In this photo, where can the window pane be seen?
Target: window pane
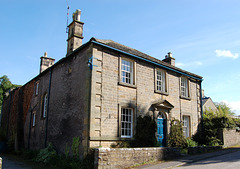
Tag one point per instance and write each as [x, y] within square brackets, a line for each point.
[126, 122]
[160, 81]
[127, 72]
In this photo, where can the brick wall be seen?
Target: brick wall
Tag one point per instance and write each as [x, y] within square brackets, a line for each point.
[126, 157]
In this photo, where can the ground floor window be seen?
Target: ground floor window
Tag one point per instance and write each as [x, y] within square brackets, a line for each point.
[126, 122]
[186, 126]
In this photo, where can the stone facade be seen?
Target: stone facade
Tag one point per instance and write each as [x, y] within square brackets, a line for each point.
[83, 95]
[109, 95]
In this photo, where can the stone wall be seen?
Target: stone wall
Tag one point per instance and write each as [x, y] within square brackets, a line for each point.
[203, 149]
[229, 137]
[126, 157]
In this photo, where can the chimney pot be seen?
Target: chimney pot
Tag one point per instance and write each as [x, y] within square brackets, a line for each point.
[170, 55]
[76, 15]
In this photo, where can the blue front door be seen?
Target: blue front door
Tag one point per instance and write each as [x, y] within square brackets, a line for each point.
[161, 138]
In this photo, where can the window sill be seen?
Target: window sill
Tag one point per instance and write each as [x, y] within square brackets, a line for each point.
[186, 98]
[159, 92]
[127, 85]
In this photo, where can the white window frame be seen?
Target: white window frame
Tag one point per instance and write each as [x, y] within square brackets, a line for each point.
[126, 122]
[184, 87]
[186, 126]
[45, 102]
[127, 73]
[161, 81]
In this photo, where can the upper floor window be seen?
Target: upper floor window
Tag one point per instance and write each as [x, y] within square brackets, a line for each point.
[37, 88]
[160, 80]
[127, 71]
[45, 102]
[184, 87]
[126, 122]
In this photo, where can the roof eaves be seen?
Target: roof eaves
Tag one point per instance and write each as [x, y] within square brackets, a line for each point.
[93, 40]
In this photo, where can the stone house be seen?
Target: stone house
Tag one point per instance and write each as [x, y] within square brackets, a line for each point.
[96, 93]
[207, 103]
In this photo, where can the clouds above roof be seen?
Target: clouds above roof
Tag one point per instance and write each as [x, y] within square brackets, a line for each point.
[194, 63]
[226, 53]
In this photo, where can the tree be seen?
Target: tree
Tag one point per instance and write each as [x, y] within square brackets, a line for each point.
[5, 86]
[213, 121]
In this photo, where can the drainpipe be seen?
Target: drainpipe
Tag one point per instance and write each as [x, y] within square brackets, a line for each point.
[49, 89]
[201, 105]
[29, 130]
[9, 111]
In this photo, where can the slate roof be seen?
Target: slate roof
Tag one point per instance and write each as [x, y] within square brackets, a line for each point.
[204, 100]
[132, 51]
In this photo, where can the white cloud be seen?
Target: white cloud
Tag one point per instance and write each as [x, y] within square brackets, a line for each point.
[180, 64]
[235, 106]
[226, 53]
[196, 63]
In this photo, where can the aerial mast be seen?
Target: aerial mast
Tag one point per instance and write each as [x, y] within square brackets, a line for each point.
[67, 16]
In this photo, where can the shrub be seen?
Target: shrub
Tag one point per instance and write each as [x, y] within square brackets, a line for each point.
[75, 147]
[47, 155]
[191, 143]
[145, 133]
[176, 137]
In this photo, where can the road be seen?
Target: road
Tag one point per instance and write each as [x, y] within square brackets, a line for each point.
[8, 163]
[227, 161]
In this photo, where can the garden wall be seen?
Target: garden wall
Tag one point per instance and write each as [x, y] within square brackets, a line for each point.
[229, 137]
[126, 157]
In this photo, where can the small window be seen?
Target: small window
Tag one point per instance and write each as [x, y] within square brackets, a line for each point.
[45, 101]
[161, 81]
[126, 122]
[184, 87]
[34, 120]
[37, 88]
[127, 71]
[186, 124]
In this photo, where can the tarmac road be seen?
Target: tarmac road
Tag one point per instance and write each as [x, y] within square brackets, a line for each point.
[227, 161]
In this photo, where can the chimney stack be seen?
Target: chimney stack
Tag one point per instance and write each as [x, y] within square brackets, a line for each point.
[169, 59]
[75, 32]
[46, 62]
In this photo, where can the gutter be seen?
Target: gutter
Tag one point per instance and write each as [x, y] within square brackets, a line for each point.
[149, 61]
[49, 89]
[9, 111]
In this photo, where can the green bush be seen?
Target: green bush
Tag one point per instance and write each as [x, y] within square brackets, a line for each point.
[47, 155]
[145, 133]
[176, 137]
[75, 147]
[191, 143]
[211, 123]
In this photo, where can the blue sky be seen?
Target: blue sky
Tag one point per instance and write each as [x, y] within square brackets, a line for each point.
[204, 36]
